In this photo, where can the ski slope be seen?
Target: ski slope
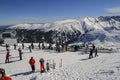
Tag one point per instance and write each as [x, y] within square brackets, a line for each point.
[75, 65]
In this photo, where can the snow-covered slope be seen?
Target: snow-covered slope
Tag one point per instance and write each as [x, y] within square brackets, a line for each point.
[26, 26]
[102, 28]
[71, 25]
[101, 36]
[75, 65]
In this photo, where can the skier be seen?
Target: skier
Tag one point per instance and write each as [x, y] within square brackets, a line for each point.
[63, 47]
[32, 45]
[96, 52]
[7, 57]
[76, 47]
[66, 47]
[43, 46]
[20, 53]
[42, 69]
[3, 76]
[22, 45]
[7, 47]
[39, 45]
[47, 66]
[15, 46]
[93, 47]
[32, 64]
[30, 48]
[91, 54]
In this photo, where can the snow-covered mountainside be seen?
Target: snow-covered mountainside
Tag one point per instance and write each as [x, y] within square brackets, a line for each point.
[103, 28]
[82, 25]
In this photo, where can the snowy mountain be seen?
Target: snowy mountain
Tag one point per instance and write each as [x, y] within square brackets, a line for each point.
[69, 65]
[104, 26]
[87, 23]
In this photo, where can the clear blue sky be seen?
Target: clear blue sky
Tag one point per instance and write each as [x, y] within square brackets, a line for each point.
[40, 11]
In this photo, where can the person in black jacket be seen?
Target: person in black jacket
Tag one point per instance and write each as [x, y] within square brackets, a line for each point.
[93, 47]
[47, 66]
[91, 54]
[15, 46]
[20, 53]
[22, 45]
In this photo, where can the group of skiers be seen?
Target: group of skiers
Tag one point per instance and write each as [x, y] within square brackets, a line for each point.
[42, 61]
[42, 67]
[8, 55]
[42, 46]
[15, 45]
[19, 50]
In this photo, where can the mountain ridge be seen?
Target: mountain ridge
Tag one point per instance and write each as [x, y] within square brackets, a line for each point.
[88, 23]
[94, 27]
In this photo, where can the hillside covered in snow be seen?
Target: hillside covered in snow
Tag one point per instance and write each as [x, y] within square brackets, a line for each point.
[103, 28]
[82, 24]
[75, 65]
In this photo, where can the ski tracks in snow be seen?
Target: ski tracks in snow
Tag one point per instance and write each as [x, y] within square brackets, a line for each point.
[104, 67]
[83, 70]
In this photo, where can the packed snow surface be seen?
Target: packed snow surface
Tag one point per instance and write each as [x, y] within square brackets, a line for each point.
[75, 65]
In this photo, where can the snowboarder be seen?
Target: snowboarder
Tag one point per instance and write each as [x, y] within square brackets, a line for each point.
[7, 57]
[20, 53]
[96, 52]
[42, 69]
[91, 54]
[3, 76]
[47, 66]
[32, 64]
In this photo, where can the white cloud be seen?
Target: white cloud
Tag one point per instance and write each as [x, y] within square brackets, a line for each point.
[114, 10]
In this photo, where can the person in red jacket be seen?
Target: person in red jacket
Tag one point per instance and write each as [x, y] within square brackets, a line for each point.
[42, 69]
[7, 57]
[32, 64]
[2, 75]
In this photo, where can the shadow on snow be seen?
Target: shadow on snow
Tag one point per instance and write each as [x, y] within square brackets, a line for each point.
[23, 73]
